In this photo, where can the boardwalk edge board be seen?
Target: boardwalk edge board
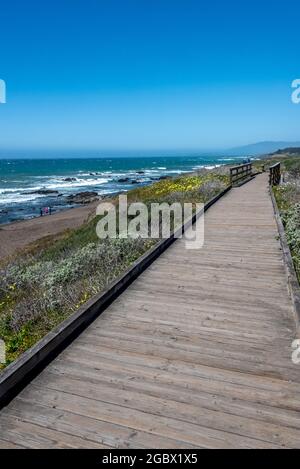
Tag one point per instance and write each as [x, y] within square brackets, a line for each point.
[292, 280]
[245, 181]
[15, 377]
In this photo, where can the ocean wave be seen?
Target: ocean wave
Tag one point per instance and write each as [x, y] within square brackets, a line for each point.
[19, 198]
[94, 173]
[20, 189]
[22, 194]
[152, 171]
[212, 166]
[26, 194]
[76, 183]
[229, 159]
[179, 171]
[203, 166]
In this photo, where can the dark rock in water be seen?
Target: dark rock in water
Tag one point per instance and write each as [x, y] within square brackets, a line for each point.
[154, 178]
[163, 177]
[42, 192]
[123, 180]
[140, 172]
[83, 197]
[69, 179]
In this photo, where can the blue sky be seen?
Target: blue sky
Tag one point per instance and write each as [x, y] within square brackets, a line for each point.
[148, 74]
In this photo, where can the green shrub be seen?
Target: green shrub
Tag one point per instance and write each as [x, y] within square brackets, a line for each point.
[292, 165]
[291, 221]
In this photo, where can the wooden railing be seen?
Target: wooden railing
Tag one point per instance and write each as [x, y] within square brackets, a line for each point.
[240, 172]
[275, 175]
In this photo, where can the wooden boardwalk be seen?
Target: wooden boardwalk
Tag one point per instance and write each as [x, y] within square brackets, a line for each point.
[195, 353]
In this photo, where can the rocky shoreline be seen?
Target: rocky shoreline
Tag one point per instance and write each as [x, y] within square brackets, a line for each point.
[85, 197]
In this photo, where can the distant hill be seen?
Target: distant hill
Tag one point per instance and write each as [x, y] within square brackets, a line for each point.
[261, 148]
[290, 151]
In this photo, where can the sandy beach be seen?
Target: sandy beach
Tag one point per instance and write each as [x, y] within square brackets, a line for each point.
[18, 235]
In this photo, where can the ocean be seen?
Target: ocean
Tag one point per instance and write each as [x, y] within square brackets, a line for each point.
[27, 185]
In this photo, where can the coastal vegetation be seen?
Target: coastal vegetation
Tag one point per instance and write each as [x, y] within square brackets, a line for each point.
[288, 200]
[48, 281]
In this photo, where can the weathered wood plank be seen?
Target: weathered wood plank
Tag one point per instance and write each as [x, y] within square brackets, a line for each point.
[195, 353]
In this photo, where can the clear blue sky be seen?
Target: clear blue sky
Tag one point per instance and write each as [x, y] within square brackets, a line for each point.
[148, 73]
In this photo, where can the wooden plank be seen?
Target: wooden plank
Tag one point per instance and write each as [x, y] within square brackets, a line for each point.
[170, 427]
[9, 445]
[171, 408]
[195, 353]
[29, 435]
[95, 433]
[236, 400]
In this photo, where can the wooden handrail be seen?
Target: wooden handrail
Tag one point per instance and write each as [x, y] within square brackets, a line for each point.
[275, 174]
[242, 171]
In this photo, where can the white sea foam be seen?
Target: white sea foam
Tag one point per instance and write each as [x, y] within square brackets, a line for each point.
[179, 171]
[202, 166]
[95, 173]
[20, 189]
[19, 195]
[19, 198]
[77, 183]
[212, 166]
[105, 182]
[229, 159]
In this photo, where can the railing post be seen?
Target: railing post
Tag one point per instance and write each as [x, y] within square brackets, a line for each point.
[275, 175]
